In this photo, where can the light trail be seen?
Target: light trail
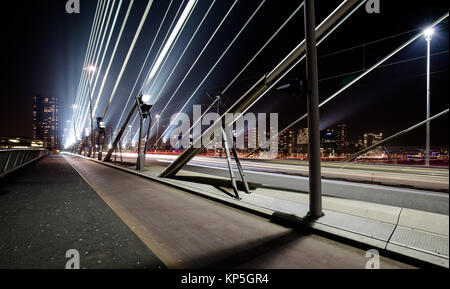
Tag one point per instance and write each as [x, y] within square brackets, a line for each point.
[84, 63]
[214, 66]
[85, 96]
[181, 21]
[91, 55]
[182, 54]
[97, 48]
[148, 74]
[76, 102]
[247, 65]
[87, 54]
[154, 78]
[107, 46]
[198, 57]
[176, 65]
[184, 51]
[143, 66]
[274, 77]
[401, 47]
[124, 22]
[127, 58]
[151, 67]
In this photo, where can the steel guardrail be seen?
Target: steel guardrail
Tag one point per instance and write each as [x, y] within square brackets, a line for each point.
[12, 160]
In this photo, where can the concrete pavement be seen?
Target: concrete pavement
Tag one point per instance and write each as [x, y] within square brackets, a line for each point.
[47, 208]
[416, 234]
[187, 231]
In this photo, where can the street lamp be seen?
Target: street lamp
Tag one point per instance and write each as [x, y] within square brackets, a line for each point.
[158, 117]
[428, 33]
[74, 108]
[91, 70]
[144, 106]
[101, 136]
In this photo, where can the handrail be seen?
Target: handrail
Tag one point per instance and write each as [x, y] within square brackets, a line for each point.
[14, 159]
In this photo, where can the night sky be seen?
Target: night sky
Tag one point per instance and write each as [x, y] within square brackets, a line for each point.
[45, 48]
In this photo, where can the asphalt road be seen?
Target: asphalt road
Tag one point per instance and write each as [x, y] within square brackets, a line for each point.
[47, 208]
[269, 175]
[187, 231]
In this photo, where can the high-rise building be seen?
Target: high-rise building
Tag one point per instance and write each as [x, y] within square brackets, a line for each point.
[342, 136]
[302, 140]
[302, 136]
[45, 120]
[372, 138]
[328, 140]
[250, 139]
[286, 142]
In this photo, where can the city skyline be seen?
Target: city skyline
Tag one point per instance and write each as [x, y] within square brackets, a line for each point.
[358, 107]
[225, 143]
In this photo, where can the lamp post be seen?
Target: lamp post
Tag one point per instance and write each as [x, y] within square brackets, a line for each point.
[158, 117]
[428, 33]
[101, 136]
[74, 107]
[144, 107]
[315, 182]
[91, 69]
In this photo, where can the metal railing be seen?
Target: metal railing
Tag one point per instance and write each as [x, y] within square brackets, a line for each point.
[12, 160]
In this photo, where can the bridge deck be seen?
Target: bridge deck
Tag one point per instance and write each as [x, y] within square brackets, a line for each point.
[187, 231]
[47, 208]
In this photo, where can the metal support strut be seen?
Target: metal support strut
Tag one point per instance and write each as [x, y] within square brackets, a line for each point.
[230, 166]
[119, 135]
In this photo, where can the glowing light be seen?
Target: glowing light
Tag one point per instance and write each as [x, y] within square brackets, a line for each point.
[428, 33]
[174, 33]
[91, 68]
[146, 98]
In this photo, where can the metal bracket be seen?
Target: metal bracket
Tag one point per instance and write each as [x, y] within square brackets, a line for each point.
[230, 166]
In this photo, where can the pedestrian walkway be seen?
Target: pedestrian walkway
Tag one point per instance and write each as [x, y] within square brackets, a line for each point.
[188, 231]
[415, 234]
[47, 209]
